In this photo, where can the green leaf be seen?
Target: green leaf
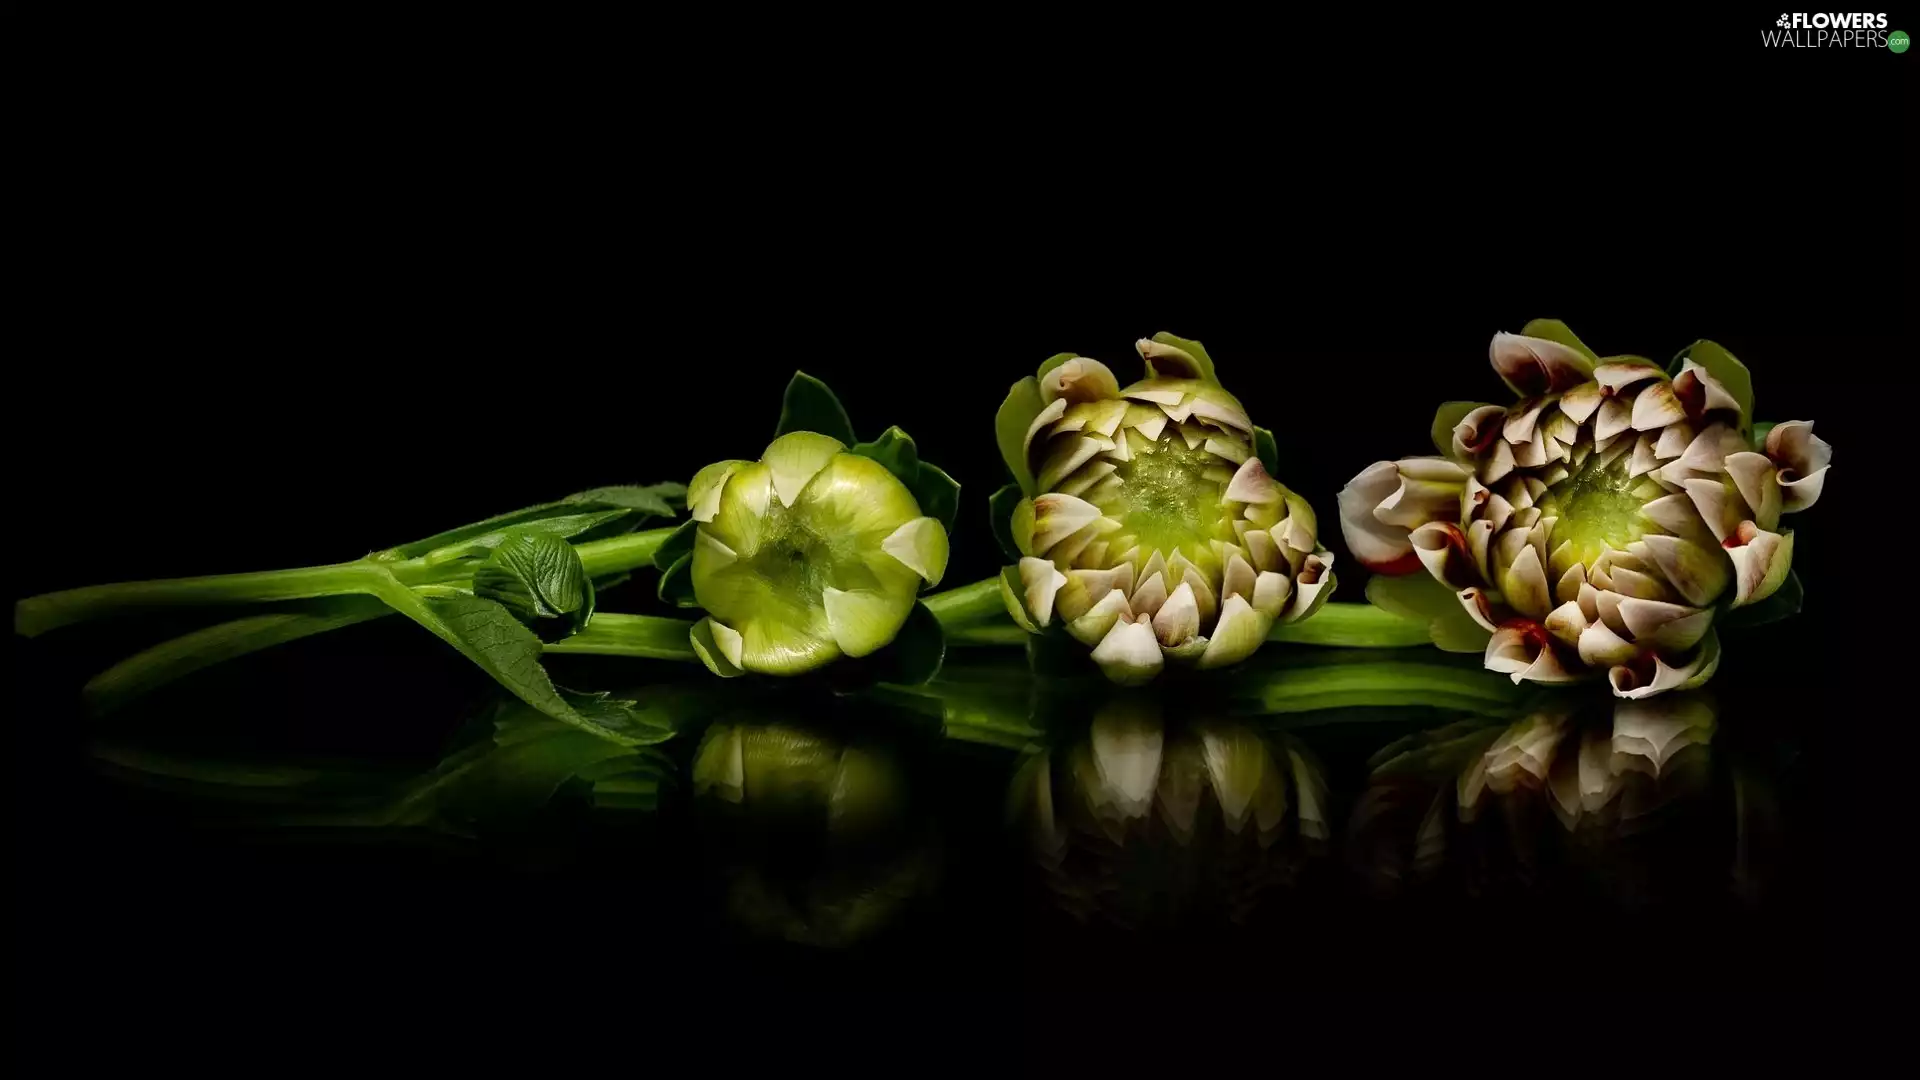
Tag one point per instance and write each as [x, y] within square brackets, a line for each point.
[937, 493]
[1726, 370]
[1266, 450]
[811, 406]
[538, 577]
[1760, 430]
[1555, 330]
[895, 450]
[676, 583]
[487, 633]
[468, 544]
[1000, 512]
[659, 500]
[677, 547]
[1445, 419]
[1784, 604]
[1194, 349]
[1010, 426]
[1418, 596]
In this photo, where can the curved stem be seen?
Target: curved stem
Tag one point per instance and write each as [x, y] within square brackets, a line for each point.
[1303, 689]
[647, 637]
[50, 611]
[968, 603]
[1361, 626]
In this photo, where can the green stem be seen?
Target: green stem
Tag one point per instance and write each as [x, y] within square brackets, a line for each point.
[146, 671]
[968, 603]
[1361, 626]
[618, 554]
[39, 614]
[647, 637]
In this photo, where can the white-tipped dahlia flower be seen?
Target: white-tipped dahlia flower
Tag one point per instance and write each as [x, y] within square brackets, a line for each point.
[1599, 523]
[1146, 520]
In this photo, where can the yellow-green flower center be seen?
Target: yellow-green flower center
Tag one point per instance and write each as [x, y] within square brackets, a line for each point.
[1598, 509]
[1165, 499]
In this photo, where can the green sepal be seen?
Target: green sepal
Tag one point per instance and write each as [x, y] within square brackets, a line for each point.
[676, 583]
[1784, 604]
[1726, 370]
[810, 406]
[677, 547]
[1266, 450]
[1445, 419]
[1418, 596]
[912, 658]
[937, 493]
[1555, 330]
[1000, 512]
[708, 650]
[1759, 437]
[1010, 426]
[1193, 349]
[895, 450]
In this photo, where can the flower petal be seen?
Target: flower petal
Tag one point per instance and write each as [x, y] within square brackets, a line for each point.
[1600, 647]
[1380, 547]
[1129, 655]
[1079, 379]
[1695, 672]
[922, 545]
[703, 491]
[1270, 591]
[717, 646]
[1251, 484]
[1582, 401]
[1760, 565]
[1656, 406]
[863, 621]
[1178, 620]
[1525, 585]
[796, 458]
[1532, 365]
[1057, 516]
[1040, 581]
[1755, 477]
[1698, 574]
[1237, 635]
[1094, 624]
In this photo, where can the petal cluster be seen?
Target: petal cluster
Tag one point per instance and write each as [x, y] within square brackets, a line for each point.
[1152, 531]
[1599, 522]
[808, 554]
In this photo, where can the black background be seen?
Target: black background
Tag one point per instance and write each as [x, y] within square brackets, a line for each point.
[277, 322]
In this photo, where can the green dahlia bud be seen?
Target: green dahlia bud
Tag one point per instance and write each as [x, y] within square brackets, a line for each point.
[1598, 523]
[1151, 529]
[778, 768]
[810, 553]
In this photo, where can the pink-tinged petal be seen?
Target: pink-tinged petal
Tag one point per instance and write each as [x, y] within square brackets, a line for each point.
[1478, 608]
[1270, 592]
[1178, 620]
[1616, 416]
[1238, 579]
[1761, 561]
[1799, 492]
[1547, 668]
[1794, 447]
[1221, 410]
[1092, 626]
[1699, 574]
[1522, 420]
[1041, 581]
[1079, 379]
[1497, 511]
[1508, 652]
[1753, 474]
[1674, 440]
[1617, 376]
[1719, 508]
[1084, 588]
[1656, 621]
[1380, 547]
[1702, 392]
[1567, 623]
[1677, 515]
[1477, 430]
[1656, 407]
[1525, 585]
[1531, 365]
[1628, 683]
[1582, 401]
[1129, 655]
[1442, 549]
[1251, 484]
[1312, 581]
[1056, 517]
[1600, 647]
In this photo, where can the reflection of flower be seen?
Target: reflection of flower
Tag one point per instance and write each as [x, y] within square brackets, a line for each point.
[1135, 812]
[1151, 528]
[818, 854]
[1604, 776]
[1597, 523]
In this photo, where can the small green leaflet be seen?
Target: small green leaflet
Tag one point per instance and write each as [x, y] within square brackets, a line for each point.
[538, 577]
[936, 492]
[657, 500]
[810, 406]
[565, 517]
[1010, 428]
[1000, 514]
[1418, 596]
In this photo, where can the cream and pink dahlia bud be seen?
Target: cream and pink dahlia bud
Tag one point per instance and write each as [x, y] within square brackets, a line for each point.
[1148, 526]
[1598, 523]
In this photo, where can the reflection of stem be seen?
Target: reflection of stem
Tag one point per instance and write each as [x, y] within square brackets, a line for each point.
[1385, 682]
[1360, 626]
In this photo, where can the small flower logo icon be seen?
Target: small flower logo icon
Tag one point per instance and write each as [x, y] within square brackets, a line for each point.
[1782, 21]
